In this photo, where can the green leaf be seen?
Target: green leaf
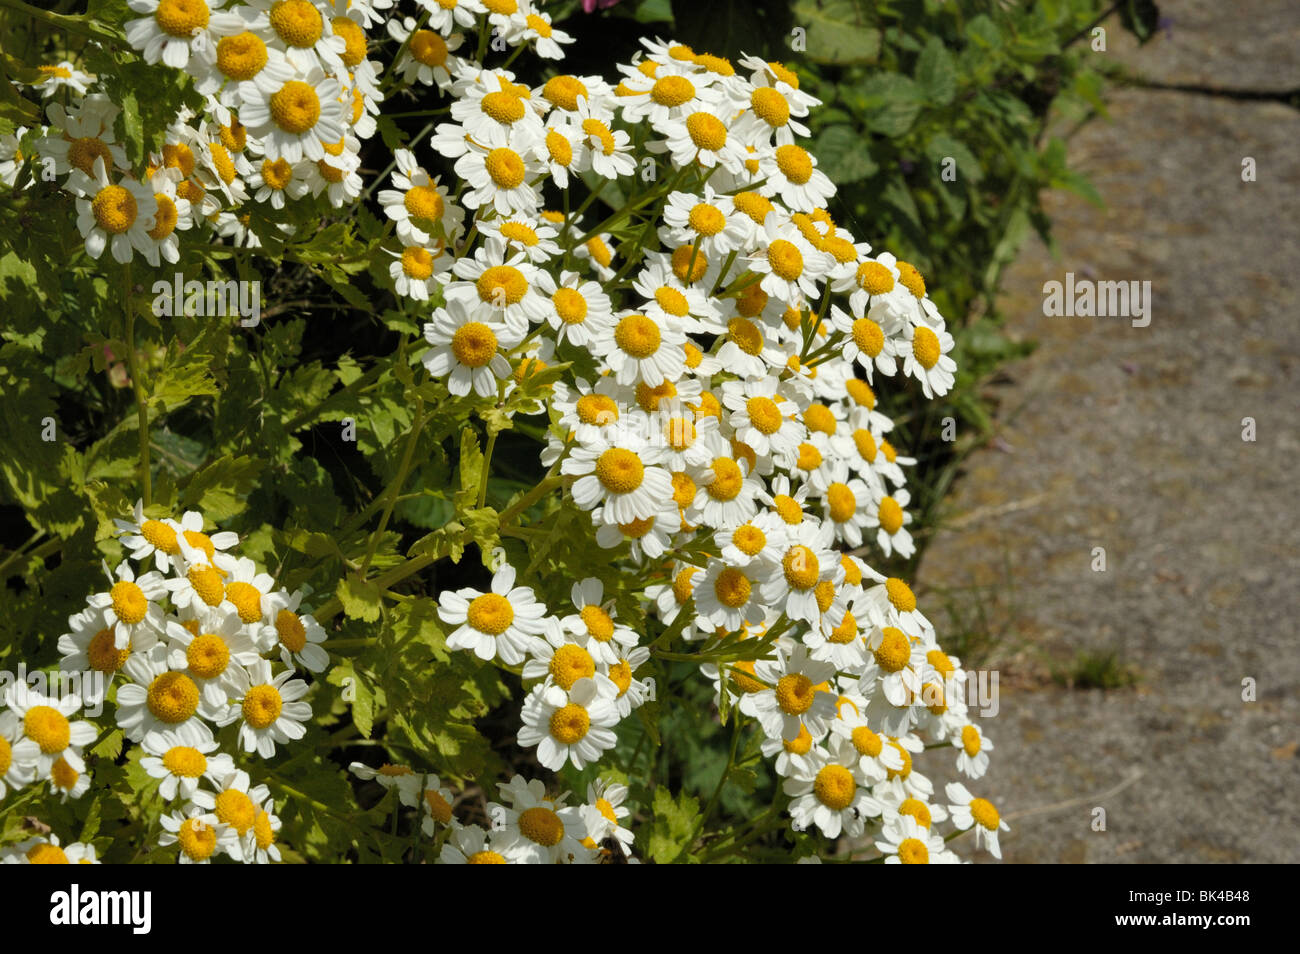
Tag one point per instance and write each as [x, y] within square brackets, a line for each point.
[470, 469]
[936, 72]
[890, 102]
[842, 154]
[838, 32]
[219, 491]
[360, 598]
[674, 824]
[943, 146]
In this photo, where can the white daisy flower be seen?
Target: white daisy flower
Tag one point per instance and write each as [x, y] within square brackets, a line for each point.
[799, 694]
[969, 811]
[791, 172]
[182, 762]
[300, 29]
[593, 624]
[471, 845]
[160, 699]
[117, 216]
[972, 759]
[13, 774]
[62, 75]
[807, 561]
[436, 806]
[907, 842]
[727, 598]
[273, 179]
[269, 710]
[48, 851]
[467, 349]
[131, 604]
[498, 175]
[48, 732]
[173, 30]
[401, 778]
[298, 118]
[577, 309]
[575, 726]
[828, 794]
[887, 517]
[235, 807]
[649, 538]
[604, 814]
[503, 622]
[926, 358]
[537, 829]
[296, 634]
[621, 470]
[87, 136]
[197, 832]
[211, 651]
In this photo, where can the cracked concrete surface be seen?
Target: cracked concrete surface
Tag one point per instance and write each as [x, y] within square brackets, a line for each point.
[1131, 439]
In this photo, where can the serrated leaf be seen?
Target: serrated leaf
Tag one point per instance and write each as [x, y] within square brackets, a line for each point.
[839, 33]
[842, 154]
[360, 598]
[936, 72]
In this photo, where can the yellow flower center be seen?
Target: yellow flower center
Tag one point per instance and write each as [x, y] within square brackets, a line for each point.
[129, 602]
[569, 664]
[874, 278]
[485, 858]
[900, 595]
[173, 697]
[558, 148]
[208, 655]
[197, 839]
[890, 515]
[911, 279]
[263, 833]
[926, 348]
[810, 458]
[865, 443]
[727, 479]
[683, 256]
[598, 409]
[438, 807]
[114, 208]
[621, 675]
[912, 851]
[818, 417]
[241, 57]
[569, 723]
[715, 64]
[795, 163]
[491, 613]
[672, 91]
[843, 504]
[970, 740]
[707, 219]
[563, 91]
[503, 7]
[985, 814]
[637, 528]
[185, 761]
[940, 662]
[866, 741]
[894, 650]
[83, 152]
[502, 283]
[834, 787]
[235, 809]
[428, 48]
[503, 107]
[355, 38]
[297, 22]
[770, 106]
[600, 252]
[206, 581]
[841, 249]
[764, 414]
[165, 220]
[520, 233]
[748, 539]
[103, 655]
[795, 693]
[649, 398]
[417, 263]
[262, 705]
[474, 344]
[637, 335]
[682, 585]
[6, 756]
[801, 567]
[505, 168]
[788, 509]
[846, 632]
[292, 632]
[600, 132]
[801, 744]
[706, 131]
[732, 588]
[295, 107]
[247, 600]
[599, 624]
[47, 854]
[754, 205]
[742, 674]
[181, 17]
[540, 825]
[746, 335]
[570, 306]
[48, 728]
[887, 449]
[786, 260]
[159, 534]
[868, 336]
[620, 470]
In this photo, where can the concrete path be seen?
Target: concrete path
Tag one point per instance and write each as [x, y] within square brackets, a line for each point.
[1131, 439]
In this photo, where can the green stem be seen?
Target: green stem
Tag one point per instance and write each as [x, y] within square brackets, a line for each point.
[137, 386]
[396, 487]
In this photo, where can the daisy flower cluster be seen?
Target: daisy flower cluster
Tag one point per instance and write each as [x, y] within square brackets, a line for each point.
[185, 639]
[527, 826]
[716, 419]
